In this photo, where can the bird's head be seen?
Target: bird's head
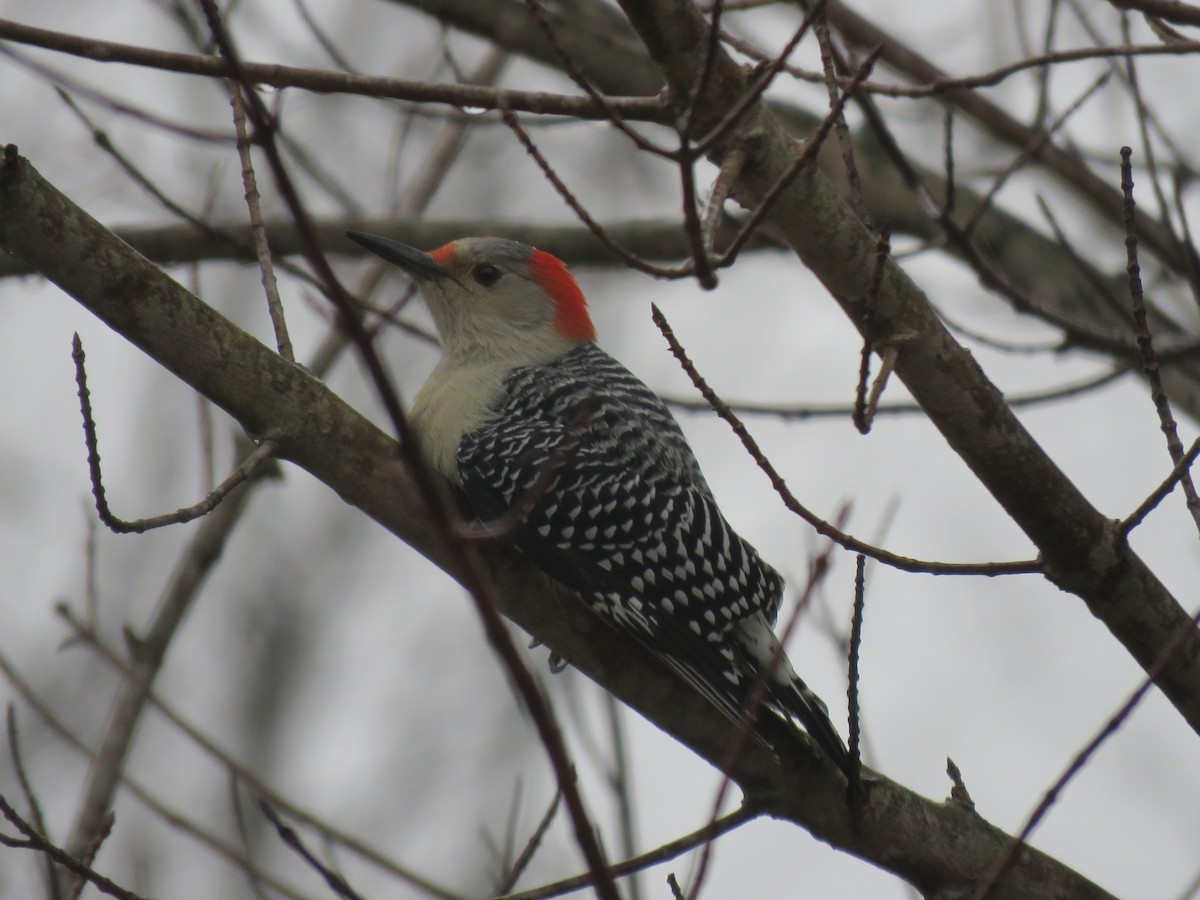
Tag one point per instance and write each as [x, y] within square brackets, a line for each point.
[491, 297]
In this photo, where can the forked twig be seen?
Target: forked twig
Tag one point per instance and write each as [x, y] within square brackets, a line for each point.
[1028, 153]
[337, 883]
[35, 840]
[821, 526]
[811, 148]
[250, 467]
[531, 846]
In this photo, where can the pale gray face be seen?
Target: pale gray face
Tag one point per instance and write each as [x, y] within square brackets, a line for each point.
[480, 291]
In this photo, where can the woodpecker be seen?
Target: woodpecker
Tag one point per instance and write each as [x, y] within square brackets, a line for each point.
[627, 519]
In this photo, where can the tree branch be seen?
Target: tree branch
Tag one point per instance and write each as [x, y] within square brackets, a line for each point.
[1084, 552]
[925, 842]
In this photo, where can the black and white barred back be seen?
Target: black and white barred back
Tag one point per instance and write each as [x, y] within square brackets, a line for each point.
[628, 521]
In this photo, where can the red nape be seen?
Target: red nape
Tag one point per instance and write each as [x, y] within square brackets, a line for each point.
[573, 321]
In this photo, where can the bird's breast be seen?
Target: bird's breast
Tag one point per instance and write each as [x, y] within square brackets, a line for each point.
[451, 403]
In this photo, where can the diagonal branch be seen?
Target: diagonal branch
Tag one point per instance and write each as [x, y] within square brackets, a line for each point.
[923, 841]
[1084, 552]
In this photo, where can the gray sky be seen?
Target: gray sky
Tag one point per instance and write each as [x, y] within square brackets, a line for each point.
[353, 676]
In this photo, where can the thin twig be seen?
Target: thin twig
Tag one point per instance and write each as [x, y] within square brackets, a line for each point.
[531, 846]
[821, 526]
[1114, 723]
[50, 873]
[951, 198]
[262, 249]
[34, 840]
[92, 849]
[649, 109]
[864, 411]
[321, 36]
[291, 837]
[1143, 118]
[811, 147]
[1156, 497]
[763, 80]
[1044, 72]
[937, 85]
[619, 776]
[572, 68]
[828, 65]
[692, 227]
[628, 257]
[241, 474]
[1029, 152]
[842, 411]
[856, 623]
[731, 168]
[1146, 344]
[665, 853]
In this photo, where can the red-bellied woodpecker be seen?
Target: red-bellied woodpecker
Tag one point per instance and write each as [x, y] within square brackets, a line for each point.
[626, 518]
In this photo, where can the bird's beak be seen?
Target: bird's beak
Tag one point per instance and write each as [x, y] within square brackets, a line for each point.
[417, 263]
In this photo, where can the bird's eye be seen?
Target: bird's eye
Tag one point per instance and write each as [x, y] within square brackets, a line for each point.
[486, 274]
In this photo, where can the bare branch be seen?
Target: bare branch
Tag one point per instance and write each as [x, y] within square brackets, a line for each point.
[34, 840]
[324, 81]
[262, 248]
[244, 472]
[1007, 860]
[337, 883]
[433, 496]
[1082, 549]
[864, 409]
[822, 527]
[665, 853]
[271, 397]
[1171, 10]
[1146, 344]
[856, 623]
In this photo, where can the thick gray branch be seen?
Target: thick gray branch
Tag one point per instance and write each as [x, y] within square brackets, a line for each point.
[1083, 551]
[655, 240]
[937, 846]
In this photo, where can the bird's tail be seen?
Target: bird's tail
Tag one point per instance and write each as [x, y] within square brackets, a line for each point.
[797, 700]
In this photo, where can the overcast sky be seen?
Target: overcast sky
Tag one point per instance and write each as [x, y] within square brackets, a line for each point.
[353, 676]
